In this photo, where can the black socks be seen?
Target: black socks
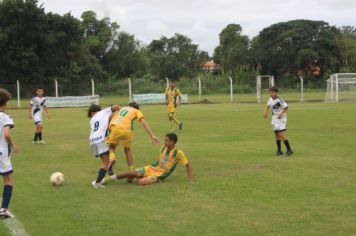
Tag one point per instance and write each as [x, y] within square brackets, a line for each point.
[38, 137]
[279, 146]
[286, 142]
[101, 175]
[6, 196]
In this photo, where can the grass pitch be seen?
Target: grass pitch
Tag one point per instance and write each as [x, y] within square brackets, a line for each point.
[239, 187]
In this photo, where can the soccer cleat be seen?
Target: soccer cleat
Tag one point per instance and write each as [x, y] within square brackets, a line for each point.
[42, 142]
[279, 153]
[180, 126]
[289, 152]
[35, 142]
[5, 214]
[97, 185]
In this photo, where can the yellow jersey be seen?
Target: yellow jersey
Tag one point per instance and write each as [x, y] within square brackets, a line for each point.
[123, 119]
[172, 95]
[166, 164]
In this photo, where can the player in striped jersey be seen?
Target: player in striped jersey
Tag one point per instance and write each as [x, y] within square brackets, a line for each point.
[173, 99]
[99, 124]
[6, 145]
[35, 109]
[279, 120]
[121, 132]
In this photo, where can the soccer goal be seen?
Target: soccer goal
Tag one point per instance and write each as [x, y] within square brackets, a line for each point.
[259, 80]
[341, 87]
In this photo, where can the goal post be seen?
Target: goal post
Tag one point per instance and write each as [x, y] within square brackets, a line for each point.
[341, 87]
[259, 79]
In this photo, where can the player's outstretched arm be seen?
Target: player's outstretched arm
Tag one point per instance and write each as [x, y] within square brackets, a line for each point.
[155, 140]
[7, 136]
[29, 111]
[189, 172]
[48, 115]
[265, 114]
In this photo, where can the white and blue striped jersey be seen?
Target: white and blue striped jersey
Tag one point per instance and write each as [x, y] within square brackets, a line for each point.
[38, 104]
[99, 124]
[277, 105]
[5, 121]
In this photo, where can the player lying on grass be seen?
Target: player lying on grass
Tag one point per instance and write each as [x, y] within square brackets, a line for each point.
[172, 93]
[6, 144]
[99, 124]
[279, 120]
[161, 169]
[121, 132]
[35, 109]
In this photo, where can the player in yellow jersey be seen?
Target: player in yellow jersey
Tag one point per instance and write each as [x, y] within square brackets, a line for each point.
[172, 93]
[169, 158]
[121, 132]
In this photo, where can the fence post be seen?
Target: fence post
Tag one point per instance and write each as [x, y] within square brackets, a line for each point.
[199, 87]
[18, 94]
[258, 88]
[301, 88]
[56, 87]
[92, 88]
[337, 88]
[130, 89]
[167, 82]
[231, 90]
[272, 81]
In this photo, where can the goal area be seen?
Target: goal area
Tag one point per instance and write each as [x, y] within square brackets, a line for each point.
[259, 80]
[341, 87]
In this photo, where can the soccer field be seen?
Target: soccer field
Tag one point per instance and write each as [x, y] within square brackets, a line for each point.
[239, 186]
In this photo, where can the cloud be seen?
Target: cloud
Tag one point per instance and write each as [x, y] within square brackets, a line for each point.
[202, 20]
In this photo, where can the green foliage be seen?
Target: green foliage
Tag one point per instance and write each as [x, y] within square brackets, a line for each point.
[232, 53]
[38, 47]
[284, 48]
[175, 57]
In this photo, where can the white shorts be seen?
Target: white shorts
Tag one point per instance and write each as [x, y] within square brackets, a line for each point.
[100, 148]
[279, 124]
[37, 118]
[5, 163]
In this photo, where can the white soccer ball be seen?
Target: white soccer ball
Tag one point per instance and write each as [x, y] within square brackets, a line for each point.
[57, 179]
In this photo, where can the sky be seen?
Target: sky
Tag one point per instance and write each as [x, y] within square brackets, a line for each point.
[203, 20]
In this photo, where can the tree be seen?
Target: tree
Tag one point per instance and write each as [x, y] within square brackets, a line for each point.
[175, 57]
[232, 52]
[347, 43]
[124, 58]
[284, 48]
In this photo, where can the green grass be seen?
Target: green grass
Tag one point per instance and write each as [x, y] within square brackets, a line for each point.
[239, 187]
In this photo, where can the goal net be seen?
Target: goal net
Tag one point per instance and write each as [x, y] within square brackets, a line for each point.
[259, 80]
[341, 87]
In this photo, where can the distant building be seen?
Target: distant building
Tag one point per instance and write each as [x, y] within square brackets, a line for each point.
[211, 66]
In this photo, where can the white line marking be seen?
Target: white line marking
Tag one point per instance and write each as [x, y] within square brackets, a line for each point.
[15, 227]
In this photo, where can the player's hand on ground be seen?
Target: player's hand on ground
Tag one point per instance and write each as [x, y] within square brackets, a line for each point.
[155, 140]
[16, 148]
[30, 117]
[48, 116]
[265, 115]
